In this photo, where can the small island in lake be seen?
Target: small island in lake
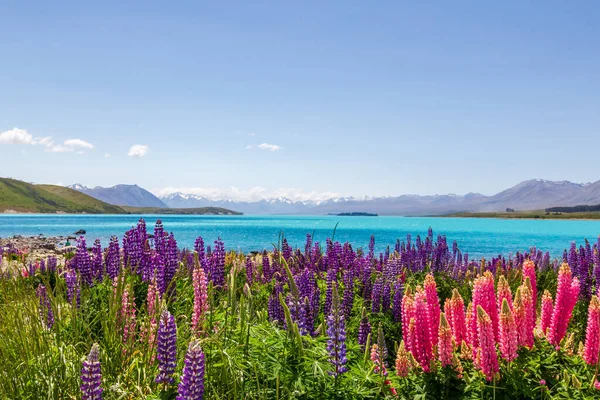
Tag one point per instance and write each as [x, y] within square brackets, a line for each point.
[355, 214]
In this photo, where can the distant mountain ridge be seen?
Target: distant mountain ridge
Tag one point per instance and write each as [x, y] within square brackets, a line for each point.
[533, 194]
[122, 195]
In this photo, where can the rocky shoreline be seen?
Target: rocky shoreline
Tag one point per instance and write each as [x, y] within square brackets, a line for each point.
[39, 247]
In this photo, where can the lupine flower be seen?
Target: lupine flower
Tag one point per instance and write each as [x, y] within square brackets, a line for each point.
[376, 295]
[508, 333]
[378, 361]
[364, 329]
[408, 311]
[403, 361]
[149, 334]
[397, 304]
[91, 376]
[503, 292]
[529, 324]
[348, 300]
[487, 359]
[200, 297]
[113, 258]
[444, 345]
[82, 262]
[484, 296]
[386, 297]
[546, 314]
[422, 346]
[592, 334]
[127, 313]
[73, 287]
[520, 316]
[529, 271]
[566, 297]
[274, 307]
[46, 313]
[166, 347]
[336, 333]
[433, 303]
[455, 314]
[191, 385]
[97, 264]
[217, 273]
[171, 262]
[249, 270]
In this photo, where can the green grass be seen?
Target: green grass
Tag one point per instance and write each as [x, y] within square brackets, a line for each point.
[536, 214]
[25, 197]
[180, 211]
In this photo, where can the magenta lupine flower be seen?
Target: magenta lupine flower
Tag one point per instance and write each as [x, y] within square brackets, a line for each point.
[113, 258]
[546, 314]
[484, 296]
[166, 347]
[422, 346]
[503, 292]
[508, 333]
[91, 376]
[46, 313]
[200, 297]
[191, 385]
[445, 348]
[433, 303]
[364, 329]
[73, 287]
[487, 360]
[592, 334]
[566, 297]
[336, 333]
[97, 265]
[529, 271]
[455, 313]
[82, 262]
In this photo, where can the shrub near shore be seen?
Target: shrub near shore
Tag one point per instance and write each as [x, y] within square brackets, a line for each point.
[143, 318]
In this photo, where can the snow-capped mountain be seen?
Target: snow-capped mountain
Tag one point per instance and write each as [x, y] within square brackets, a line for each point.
[122, 195]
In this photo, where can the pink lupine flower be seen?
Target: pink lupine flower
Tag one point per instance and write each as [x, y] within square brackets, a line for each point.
[566, 296]
[520, 316]
[592, 334]
[403, 363]
[445, 346]
[508, 333]
[455, 314]
[433, 303]
[422, 347]
[529, 271]
[484, 296]
[487, 359]
[200, 297]
[529, 306]
[503, 292]
[408, 311]
[127, 314]
[546, 313]
[377, 361]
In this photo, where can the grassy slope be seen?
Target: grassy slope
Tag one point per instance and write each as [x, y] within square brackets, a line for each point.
[25, 197]
[181, 211]
[536, 214]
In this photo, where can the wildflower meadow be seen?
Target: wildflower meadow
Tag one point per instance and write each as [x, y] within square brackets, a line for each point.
[143, 318]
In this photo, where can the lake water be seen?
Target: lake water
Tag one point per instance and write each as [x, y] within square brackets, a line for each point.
[477, 236]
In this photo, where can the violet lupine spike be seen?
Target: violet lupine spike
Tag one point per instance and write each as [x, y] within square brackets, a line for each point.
[336, 333]
[348, 299]
[159, 266]
[376, 295]
[113, 258]
[146, 266]
[371, 247]
[97, 264]
[364, 329]
[331, 281]
[249, 270]
[51, 264]
[166, 347]
[217, 275]
[191, 385]
[159, 238]
[171, 262]
[91, 376]
[275, 308]
[199, 248]
[73, 287]
[397, 306]
[46, 314]
[286, 250]
[386, 297]
[82, 262]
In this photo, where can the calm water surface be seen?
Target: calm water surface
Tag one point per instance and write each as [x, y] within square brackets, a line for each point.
[477, 236]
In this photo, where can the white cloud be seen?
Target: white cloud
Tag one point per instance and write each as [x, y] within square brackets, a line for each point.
[21, 136]
[16, 136]
[78, 144]
[256, 193]
[249, 147]
[269, 147]
[106, 155]
[138, 150]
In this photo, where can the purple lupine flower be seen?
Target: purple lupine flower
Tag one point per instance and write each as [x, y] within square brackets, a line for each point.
[348, 300]
[146, 266]
[171, 261]
[82, 262]
[97, 266]
[386, 296]
[113, 258]
[191, 385]
[166, 347]
[91, 376]
[307, 246]
[31, 269]
[51, 264]
[266, 267]
[376, 295]
[73, 287]
[364, 329]
[397, 306]
[158, 265]
[217, 272]
[46, 313]
[306, 323]
[160, 244]
[286, 250]
[371, 247]
[42, 266]
[249, 270]
[199, 248]
[331, 281]
[336, 333]
[275, 308]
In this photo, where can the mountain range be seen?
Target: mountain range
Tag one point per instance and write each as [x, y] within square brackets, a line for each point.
[532, 194]
[122, 195]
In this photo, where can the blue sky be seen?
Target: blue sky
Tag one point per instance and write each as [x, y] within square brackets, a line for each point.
[346, 98]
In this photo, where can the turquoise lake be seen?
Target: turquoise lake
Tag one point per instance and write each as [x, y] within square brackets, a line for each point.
[476, 236]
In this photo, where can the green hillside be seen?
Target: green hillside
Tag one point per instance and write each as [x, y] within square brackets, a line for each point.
[25, 197]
